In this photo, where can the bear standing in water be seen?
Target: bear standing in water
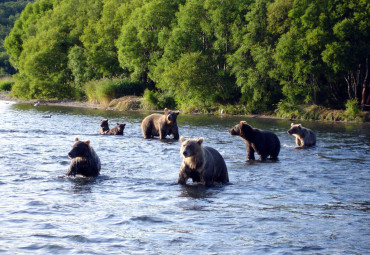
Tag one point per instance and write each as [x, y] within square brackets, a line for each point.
[202, 164]
[264, 143]
[160, 125]
[104, 127]
[118, 130]
[303, 136]
[84, 160]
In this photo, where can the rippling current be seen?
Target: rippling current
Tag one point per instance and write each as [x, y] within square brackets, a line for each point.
[312, 201]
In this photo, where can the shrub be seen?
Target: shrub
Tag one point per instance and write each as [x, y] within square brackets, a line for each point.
[352, 110]
[6, 85]
[104, 90]
[286, 109]
[157, 100]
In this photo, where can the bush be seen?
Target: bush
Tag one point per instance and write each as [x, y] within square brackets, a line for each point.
[352, 110]
[286, 109]
[6, 85]
[157, 100]
[104, 90]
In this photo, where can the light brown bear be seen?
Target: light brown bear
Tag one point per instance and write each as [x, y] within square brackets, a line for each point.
[303, 136]
[161, 125]
[202, 164]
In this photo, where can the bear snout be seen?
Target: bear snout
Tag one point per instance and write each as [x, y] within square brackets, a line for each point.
[186, 153]
[232, 132]
[289, 132]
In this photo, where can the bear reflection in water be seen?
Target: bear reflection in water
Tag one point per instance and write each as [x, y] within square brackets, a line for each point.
[85, 161]
[202, 164]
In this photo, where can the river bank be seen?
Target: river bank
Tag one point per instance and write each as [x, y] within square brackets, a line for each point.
[133, 103]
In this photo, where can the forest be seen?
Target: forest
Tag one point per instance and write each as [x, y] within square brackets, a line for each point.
[261, 55]
[9, 13]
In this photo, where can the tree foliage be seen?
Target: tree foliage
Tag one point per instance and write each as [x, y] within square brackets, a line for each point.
[199, 52]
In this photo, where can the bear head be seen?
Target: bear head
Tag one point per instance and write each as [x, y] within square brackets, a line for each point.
[104, 123]
[80, 149]
[242, 129]
[295, 129]
[171, 116]
[120, 127]
[191, 147]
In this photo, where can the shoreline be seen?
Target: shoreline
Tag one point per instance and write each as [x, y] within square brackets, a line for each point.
[131, 103]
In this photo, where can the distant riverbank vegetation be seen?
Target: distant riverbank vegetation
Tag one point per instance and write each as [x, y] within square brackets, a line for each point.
[291, 58]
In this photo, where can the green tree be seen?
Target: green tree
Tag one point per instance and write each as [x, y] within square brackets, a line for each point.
[252, 62]
[138, 45]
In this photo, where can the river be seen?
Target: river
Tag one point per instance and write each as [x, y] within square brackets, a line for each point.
[311, 201]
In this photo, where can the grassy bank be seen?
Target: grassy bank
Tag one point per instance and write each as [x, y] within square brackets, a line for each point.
[125, 95]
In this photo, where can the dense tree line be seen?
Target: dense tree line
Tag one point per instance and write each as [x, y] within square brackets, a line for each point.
[200, 52]
[9, 13]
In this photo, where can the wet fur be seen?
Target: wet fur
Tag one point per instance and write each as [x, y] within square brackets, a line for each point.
[117, 130]
[104, 127]
[202, 164]
[160, 125]
[84, 161]
[303, 136]
[264, 143]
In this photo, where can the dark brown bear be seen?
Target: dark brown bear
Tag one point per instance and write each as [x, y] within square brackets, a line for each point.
[85, 162]
[202, 164]
[264, 143]
[118, 130]
[160, 125]
[104, 127]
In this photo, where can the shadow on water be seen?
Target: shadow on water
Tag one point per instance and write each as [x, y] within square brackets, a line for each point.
[200, 191]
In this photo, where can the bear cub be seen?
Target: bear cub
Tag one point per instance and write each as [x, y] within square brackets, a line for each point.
[118, 130]
[161, 125]
[85, 161]
[104, 127]
[303, 136]
[264, 143]
[202, 164]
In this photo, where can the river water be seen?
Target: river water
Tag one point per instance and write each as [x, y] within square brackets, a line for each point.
[312, 201]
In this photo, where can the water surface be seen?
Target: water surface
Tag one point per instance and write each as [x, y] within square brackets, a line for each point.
[312, 201]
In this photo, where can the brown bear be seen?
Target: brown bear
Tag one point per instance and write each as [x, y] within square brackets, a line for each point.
[264, 143]
[118, 130]
[104, 127]
[202, 164]
[161, 125]
[303, 136]
[85, 161]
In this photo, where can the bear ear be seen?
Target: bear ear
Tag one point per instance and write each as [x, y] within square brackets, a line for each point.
[165, 110]
[124, 124]
[182, 139]
[200, 141]
[76, 139]
[299, 125]
[177, 113]
[87, 142]
[117, 123]
[291, 124]
[242, 122]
